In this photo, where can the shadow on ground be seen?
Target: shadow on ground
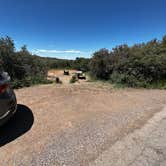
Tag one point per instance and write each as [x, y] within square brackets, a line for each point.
[19, 124]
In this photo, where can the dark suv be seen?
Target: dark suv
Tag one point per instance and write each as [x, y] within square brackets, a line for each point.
[8, 103]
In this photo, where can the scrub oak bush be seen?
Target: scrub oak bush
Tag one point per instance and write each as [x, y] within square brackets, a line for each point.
[73, 79]
[141, 65]
[24, 68]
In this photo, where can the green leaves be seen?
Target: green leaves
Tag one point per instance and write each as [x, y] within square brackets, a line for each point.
[24, 68]
[141, 65]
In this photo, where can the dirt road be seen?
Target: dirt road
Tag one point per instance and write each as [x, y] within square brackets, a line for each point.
[72, 125]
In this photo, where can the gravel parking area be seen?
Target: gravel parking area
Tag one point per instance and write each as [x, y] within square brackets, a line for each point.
[72, 125]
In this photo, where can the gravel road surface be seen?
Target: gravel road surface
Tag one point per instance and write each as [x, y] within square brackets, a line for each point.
[74, 125]
[143, 147]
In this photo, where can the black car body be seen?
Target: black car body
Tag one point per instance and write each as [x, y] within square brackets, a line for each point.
[8, 103]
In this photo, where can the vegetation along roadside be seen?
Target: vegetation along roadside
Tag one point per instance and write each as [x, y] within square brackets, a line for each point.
[140, 65]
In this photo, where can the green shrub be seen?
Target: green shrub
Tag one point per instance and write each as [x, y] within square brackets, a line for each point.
[128, 80]
[141, 65]
[73, 79]
[24, 68]
[100, 65]
[28, 82]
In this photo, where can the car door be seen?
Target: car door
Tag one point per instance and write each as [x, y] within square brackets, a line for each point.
[4, 93]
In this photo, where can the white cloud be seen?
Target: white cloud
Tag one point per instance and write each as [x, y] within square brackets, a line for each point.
[62, 54]
[38, 51]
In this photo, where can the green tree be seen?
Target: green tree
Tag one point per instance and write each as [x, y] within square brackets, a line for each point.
[99, 64]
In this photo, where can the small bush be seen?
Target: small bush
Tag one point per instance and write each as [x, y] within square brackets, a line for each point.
[28, 81]
[73, 79]
[128, 79]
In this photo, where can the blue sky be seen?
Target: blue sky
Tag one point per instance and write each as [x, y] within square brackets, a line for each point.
[74, 28]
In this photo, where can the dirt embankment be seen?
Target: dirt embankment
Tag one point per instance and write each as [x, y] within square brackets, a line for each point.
[73, 124]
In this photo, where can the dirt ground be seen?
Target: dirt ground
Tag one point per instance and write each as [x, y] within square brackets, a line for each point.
[71, 125]
[65, 79]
